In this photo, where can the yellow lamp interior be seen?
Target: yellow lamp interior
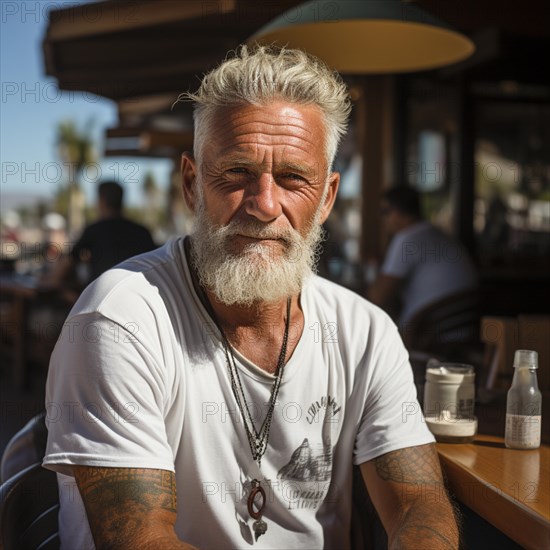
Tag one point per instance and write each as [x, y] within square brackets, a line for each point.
[374, 45]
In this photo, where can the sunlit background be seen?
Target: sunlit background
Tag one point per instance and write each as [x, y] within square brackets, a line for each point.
[38, 124]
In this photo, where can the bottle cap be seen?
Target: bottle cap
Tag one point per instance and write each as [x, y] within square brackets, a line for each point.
[526, 358]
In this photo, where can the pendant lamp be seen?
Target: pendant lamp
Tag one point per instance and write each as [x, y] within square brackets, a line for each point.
[368, 36]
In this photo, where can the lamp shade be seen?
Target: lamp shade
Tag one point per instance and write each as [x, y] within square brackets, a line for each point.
[367, 36]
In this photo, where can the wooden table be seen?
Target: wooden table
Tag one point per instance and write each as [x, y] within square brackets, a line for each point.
[509, 488]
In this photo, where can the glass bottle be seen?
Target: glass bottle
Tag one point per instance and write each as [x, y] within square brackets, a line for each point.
[524, 403]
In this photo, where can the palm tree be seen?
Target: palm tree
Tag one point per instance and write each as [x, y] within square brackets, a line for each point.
[76, 150]
[151, 195]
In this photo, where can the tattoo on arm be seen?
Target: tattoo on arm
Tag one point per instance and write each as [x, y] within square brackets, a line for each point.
[431, 537]
[121, 502]
[411, 465]
[427, 514]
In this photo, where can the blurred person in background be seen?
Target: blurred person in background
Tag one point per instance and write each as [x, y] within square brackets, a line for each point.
[422, 264]
[104, 243]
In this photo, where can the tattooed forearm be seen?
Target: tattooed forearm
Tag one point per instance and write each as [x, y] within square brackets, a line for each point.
[125, 505]
[431, 539]
[409, 493]
[418, 525]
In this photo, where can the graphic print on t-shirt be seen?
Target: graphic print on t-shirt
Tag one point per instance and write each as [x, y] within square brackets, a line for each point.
[308, 463]
[307, 474]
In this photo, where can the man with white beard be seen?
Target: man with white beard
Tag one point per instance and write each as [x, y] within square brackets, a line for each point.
[220, 368]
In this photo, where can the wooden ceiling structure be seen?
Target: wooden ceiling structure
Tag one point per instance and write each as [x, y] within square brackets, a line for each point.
[143, 53]
[132, 48]
[124, 49]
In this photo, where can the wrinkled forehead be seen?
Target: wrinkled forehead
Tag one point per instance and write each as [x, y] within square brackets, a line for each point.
[275, 128]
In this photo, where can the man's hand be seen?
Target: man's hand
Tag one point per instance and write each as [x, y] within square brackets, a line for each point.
[130, 508]
[407, 489]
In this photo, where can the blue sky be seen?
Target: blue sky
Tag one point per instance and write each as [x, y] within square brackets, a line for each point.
[32, 106]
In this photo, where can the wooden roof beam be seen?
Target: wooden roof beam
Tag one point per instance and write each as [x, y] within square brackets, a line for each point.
[147, 105]
[127, 141]
[113, 16]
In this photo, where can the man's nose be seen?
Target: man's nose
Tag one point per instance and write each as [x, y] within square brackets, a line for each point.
[262, 198]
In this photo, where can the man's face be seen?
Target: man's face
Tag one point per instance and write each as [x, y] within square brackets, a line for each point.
[260, 195]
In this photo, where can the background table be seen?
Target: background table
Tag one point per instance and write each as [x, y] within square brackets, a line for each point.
[31, 318]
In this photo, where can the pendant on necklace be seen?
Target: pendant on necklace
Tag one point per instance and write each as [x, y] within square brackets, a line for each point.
[256, 504]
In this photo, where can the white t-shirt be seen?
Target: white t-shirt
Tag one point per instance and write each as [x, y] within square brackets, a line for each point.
[139, 378]
[431, 264]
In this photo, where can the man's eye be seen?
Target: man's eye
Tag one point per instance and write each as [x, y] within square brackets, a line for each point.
[237, 173]
[292, 176]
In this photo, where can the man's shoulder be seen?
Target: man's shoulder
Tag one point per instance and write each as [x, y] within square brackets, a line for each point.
[331, 288]
[109, 224]
[424, 231]
[349, 321]
[97, 227]
[131, 282]
[416, 230]
[409, 244]
[335, 299]
[134, 225]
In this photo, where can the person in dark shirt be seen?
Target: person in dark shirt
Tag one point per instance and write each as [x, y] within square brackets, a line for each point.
[104, 243]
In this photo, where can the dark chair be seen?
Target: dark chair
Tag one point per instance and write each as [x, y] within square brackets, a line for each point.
[448, 328]
[29, 498]
[29, 506]
[25, 448]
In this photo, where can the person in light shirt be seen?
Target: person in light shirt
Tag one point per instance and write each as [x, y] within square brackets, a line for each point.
[422, 264]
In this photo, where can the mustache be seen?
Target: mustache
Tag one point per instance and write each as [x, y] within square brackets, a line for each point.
[259, 230]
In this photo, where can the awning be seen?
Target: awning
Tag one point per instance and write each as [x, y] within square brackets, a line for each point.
[123, 49]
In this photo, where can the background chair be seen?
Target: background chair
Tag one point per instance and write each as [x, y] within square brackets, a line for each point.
[445, 331]
[29, 498]
[448, 328]
[452, 319]
[25, 448]
[29, 506]
[503, 336]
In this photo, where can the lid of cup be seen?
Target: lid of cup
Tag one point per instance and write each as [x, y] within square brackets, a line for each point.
[451, 373]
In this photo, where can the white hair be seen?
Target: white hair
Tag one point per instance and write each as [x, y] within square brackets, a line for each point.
[262, 75]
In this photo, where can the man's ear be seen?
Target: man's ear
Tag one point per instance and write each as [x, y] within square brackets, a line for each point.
[188, 179]
[326, 208]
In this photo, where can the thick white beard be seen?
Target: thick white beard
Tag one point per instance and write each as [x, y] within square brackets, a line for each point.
[253, 276]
